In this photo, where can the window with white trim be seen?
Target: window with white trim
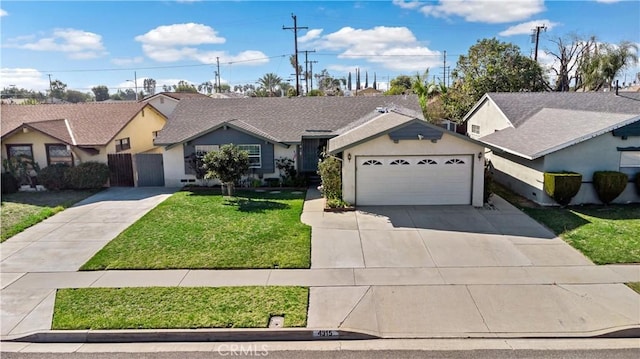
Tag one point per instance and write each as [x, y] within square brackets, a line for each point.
[202, 150]
[475, 129]
[630, 159]
[255, 155]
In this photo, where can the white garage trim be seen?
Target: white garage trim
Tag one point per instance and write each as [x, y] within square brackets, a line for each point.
[414, 180]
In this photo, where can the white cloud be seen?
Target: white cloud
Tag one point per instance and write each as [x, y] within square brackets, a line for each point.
[408, 5]
[608, 1]
[394, 48]
[180, 35]
[526, 27]
[486, 11]
[3, 13]
[30, 79]
[310, 35]
[124, 61]
[78, 44]
[171, 43]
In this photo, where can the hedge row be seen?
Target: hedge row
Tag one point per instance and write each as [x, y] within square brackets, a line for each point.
[87, 175]
[563, 186]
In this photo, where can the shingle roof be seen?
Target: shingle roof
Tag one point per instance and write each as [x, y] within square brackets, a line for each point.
[550, 130]
[93, 123]
[177, 95]
[380, 123]
[285, 119]
[519, 106]
[547, 122]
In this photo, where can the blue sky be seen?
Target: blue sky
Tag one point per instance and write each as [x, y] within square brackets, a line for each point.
[88, 43]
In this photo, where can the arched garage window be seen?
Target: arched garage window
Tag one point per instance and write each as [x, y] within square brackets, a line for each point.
[372, 163]
[428, 161]
[399, 162]
[454, 161]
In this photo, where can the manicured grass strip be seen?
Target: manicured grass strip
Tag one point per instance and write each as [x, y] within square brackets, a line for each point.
[635, 286]
[606, 235]
[22, 210]
[178, 307]
[203, 229]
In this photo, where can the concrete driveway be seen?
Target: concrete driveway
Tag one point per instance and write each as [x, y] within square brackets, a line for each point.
[438, 271]
[63, 243]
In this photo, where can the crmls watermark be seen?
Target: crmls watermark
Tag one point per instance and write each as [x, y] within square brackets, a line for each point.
[243, 349]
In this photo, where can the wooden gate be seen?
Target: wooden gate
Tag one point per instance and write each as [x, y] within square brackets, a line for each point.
[120, 169]
[150, 169]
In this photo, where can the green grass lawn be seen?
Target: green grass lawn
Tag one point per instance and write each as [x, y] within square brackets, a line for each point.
[178, 307]
[203, 229]
[22, 210]
[605, 234]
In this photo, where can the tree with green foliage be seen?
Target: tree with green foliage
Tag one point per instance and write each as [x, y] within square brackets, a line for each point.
[271, 84]
[228, 164]
[206, 87]
[149, 86]
[74, 96]
[603, 63]
[101, 92]
[425, 91]
[490, 66]
[58, 89]
[184, 86]
[12, 92]
[399, 85]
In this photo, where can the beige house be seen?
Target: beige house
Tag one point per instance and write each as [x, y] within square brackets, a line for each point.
[528, 134]
[76, 133]
[396, 158]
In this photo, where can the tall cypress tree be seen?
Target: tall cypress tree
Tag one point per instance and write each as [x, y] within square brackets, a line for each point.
[349, 81]
[366, 79]
[375, 86]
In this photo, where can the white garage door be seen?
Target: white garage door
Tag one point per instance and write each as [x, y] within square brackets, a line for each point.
[413, 180]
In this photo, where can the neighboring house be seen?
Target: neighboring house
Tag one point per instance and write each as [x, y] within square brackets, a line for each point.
[396, 158]
[268, 128]
[166, 102]
[74, 133]
[532, 133]
[368, 92]
[227, 95]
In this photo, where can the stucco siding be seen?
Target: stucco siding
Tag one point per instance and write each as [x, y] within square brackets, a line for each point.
[139, 131]
[164, 104]
[384, 146]
[597, 154]
[489, 118]
[174, 173]
[38, 142]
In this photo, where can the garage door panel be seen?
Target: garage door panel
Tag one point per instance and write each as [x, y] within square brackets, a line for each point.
[424, 180]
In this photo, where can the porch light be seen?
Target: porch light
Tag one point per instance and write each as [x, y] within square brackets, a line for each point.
[479, 155]
[349, 156]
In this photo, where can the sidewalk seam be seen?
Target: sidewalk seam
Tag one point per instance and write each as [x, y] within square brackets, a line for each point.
[355, 306]
[54, 291]
[484, 321]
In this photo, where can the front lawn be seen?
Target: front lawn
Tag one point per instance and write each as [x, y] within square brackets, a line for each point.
[605, 234]
[22, 210]
[178, 307]
[203, 229]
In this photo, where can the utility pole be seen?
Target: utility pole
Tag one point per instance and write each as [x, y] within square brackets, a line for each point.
[218, 74]
[306, 70]
[135, 83]
[50, 89]
[311, 71]
[444, 68]
[535, 37]
[295, 42]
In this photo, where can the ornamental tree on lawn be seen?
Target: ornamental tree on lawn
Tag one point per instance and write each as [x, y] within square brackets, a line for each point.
[228, 165]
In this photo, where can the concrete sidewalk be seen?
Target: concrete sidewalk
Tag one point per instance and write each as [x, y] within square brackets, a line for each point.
[392, 272]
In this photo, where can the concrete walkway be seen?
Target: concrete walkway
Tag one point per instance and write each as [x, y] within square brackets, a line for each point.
[59, 246]
[393, 272]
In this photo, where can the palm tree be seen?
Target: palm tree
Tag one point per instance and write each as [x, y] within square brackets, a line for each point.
[425, 90]
[206, 87]
[601, 67]
[270, 82]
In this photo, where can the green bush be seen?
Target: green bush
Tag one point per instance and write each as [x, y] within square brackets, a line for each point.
[88, 175]
[9, 183]
[562, 186]
[609, 184]
[53, 177]
[330, 171]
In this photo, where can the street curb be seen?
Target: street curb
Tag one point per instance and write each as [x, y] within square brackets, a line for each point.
[287, 334]
[187, 335]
